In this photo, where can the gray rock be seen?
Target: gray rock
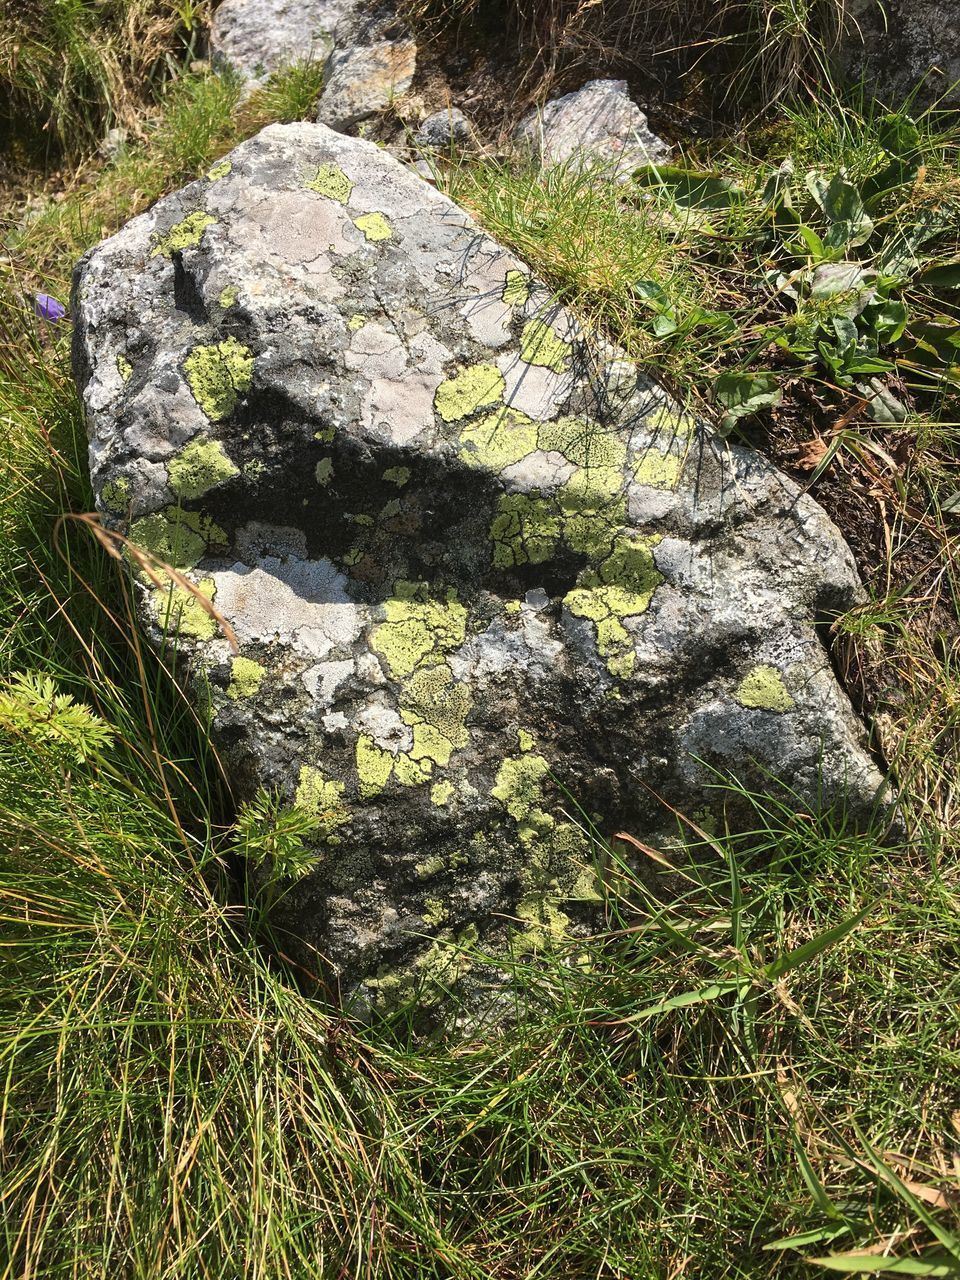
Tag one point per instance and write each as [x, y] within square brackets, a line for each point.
[598, 125]
[903, 42]
[475, 562]
[256, 37]
[446, 129]
[364, 79]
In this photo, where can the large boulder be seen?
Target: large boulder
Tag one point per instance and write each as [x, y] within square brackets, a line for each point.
[494, 591]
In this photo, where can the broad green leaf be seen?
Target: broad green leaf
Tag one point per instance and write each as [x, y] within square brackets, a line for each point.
[945, 275]
[882, 405]
[743, 393]
[713, 991]
[652, 292]
[869, 1264]
[816, 946]
[887, 319]
[818, 1235]
[690, 188]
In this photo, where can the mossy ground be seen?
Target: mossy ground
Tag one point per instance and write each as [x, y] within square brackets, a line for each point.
[755, 1066]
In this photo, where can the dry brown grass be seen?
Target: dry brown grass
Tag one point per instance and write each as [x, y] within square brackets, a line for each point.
[71, 70]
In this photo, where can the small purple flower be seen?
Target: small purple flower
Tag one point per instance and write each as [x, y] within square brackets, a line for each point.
[48, 308]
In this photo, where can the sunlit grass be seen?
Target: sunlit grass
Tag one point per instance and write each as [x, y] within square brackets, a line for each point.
[714, 1075]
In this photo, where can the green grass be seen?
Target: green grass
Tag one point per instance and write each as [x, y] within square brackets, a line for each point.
[763, 1048]
[71, 69]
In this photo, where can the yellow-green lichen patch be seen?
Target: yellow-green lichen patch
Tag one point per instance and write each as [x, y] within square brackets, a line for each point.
[331, 181]
[621, 587]
[217, 375]
[178, 538]
[763, 689]
[374, 766]
[473, 388]
[246, 676]
[571, 861]
[673, 423]
[374, 226]
[516, 289]
[410, 772]
[590, 488]
[546, 926]
[200, 466]
[519, 788]
[498, 440]
[524, 530]
[539, 345]
[322, 798]
[584, 443]
[513, 607]
[418, 630]
[124, 368]
[183, 612]
[430, 976]
[182, 235]
[658, 470]
[397, 475]
[525, 740]
[325, 434]
[219, 171]
[434, 913]
[228, 297]
[430, 867]
[436, 708]
[441, 793]
[116, 494]
[356, 322]
[323, 471]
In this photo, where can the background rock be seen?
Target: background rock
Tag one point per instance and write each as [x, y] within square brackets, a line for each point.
[364, 79]
[256, 37]
[493, 589]
[904, 42]
[598, 124]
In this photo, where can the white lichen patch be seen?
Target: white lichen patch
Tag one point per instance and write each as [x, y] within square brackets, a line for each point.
[301, 604]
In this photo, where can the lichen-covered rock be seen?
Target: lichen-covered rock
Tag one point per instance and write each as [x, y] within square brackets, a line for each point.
[598, 126]
[493, 590]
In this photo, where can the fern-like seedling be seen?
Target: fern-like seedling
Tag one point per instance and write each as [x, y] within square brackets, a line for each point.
[271, 833]
[31, 707]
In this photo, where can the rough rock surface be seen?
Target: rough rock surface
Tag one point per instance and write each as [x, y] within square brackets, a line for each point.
[597, 125]
[256, 37]
[369, 56]
[476, 563]
[363, 79]
[905, 42]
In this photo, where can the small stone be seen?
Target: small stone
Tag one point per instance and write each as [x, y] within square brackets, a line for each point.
[599, 125]
[445, 130]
